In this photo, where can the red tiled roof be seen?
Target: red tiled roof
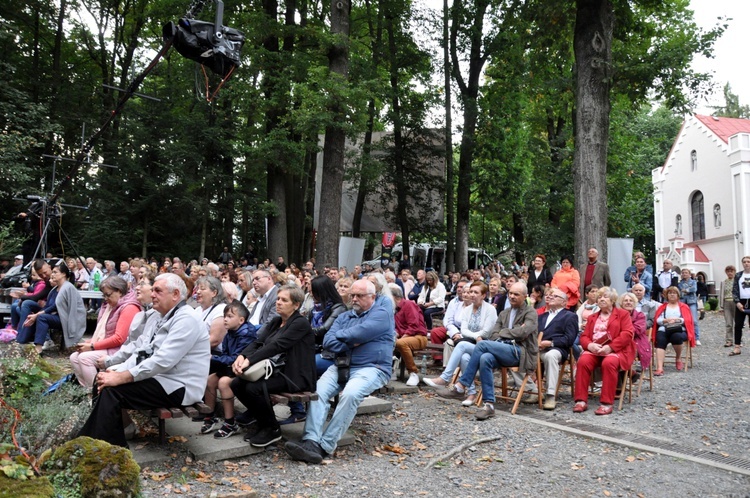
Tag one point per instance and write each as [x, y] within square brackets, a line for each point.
[724, 127]
[700, 256]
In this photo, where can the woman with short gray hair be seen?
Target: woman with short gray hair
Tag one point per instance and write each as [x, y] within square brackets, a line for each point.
[211, 299]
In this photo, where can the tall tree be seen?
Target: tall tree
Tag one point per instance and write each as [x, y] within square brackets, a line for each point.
[329, 223]
[592, 44]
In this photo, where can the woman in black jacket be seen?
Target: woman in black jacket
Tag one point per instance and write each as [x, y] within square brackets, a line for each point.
[538, 273]
[288, 334]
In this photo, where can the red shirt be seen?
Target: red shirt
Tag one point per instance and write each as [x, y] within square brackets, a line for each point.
[409, 319]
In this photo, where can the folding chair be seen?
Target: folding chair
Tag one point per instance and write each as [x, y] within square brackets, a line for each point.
[570, 365]
[505, 390]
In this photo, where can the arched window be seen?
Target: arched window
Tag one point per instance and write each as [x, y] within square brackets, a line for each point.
[698, 218]
[678, 224]
[693, 161]
[717, 216]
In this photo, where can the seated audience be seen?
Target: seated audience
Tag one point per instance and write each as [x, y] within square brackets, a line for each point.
[33, 299]
[289, 334]
[513, 343]
[451, 320]
[112, 329]
[169, 371]
[210, 311]
[432, 298]
[364, 339]
[240, 335]
[607, 343]
[411, 332]
[673, 325]
[640, 335]
[64, 310]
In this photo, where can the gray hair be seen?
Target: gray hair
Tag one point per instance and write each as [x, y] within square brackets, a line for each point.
[212, 269]
[381, 287]
[396, 291]
[295, 293]
[114, 283]
[214, 285]
[173, 282]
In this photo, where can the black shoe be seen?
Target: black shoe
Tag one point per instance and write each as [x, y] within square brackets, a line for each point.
[244, 419]
[251, 432]
[202, 416]
[266, 436]
[209, 424]
[305, 451]
[294, 418]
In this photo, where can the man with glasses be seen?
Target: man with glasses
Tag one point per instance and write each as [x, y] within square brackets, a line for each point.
[363, 341]
[558, 328]
[513, 343]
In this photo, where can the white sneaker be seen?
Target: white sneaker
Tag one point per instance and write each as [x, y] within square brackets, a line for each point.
[697, 343]
[413, 379]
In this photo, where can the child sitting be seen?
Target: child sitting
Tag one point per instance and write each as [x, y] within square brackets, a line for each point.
[239, 335]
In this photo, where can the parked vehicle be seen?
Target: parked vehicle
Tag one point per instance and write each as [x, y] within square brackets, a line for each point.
[431, 257]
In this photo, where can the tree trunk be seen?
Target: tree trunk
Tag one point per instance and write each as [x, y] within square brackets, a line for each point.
[329, 223]
[593, 53]
[144, 241]
[450, 257]
[398, 145]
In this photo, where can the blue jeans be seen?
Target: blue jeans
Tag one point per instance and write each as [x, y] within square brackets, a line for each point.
[459, 358]
[362, 382]
[694, 311]
[19, 311]
[321, 364]
[487, 356]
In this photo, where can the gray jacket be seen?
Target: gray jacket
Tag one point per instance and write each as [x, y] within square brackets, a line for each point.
[72, 313]
[181, 355]
[141, 330]
[268, 311]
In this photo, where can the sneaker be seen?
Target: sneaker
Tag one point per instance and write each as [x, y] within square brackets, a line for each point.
[244, 419]
[437, 382]
[530, 399]
[307, 451]
[266, 436]
[209, 424]
[697, 343]
[450, 393]
[293, 419]
[48, 345]
[227, 430]
[549, 402]
[413, 380]
[487, 411]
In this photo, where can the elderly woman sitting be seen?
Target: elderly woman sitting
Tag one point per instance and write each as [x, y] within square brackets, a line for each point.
[112, 329]
[673, 324]
[209, 294]
[628, 302]
[608, 343]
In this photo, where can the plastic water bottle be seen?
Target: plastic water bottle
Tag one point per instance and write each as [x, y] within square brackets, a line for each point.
[423, 365]
[97, 279]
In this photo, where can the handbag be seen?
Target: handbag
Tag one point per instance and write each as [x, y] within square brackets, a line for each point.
[673, 327]
[263, 369]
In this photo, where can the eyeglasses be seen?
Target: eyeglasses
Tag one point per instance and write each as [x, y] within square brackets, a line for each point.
[106, 294]
[358, 295]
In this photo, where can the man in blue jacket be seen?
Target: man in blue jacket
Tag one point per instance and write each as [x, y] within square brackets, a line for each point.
[365, 336]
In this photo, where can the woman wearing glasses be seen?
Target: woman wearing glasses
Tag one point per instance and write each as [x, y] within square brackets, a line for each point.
[112, 328]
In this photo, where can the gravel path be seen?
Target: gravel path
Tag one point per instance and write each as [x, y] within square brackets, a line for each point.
[704, 409]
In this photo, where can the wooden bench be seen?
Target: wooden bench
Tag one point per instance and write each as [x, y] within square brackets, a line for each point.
[429, 350]
[285, 398]
[162, 414]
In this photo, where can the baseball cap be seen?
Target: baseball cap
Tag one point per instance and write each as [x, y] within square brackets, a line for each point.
[20, 256]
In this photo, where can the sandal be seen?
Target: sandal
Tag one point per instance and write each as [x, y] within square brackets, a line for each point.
[658, 373]
[581, 406]
[728, 344]
[679, 365]
[736, 352]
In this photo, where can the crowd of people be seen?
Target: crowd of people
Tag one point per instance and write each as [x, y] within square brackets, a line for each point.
[173, 334]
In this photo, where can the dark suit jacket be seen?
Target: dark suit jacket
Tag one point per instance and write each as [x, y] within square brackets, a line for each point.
[297, 341]
[600, 278]
[268, 311]
[562, 330]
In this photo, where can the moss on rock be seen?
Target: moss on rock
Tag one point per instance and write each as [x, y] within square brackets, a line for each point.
[30, 488]
[88, 467]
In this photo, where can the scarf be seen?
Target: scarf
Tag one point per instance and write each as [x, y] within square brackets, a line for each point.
[113, 314]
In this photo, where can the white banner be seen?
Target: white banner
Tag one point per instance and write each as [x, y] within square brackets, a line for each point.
[619, 256]
[351, 251]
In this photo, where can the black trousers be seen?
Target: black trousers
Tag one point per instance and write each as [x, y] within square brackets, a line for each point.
[739, 321]
[105, 421]
[252, 395]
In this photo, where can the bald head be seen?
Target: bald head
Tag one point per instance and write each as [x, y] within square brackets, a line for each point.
[517, 295]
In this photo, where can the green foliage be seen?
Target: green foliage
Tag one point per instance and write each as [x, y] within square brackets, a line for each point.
[23, 380]
[732, 107]
[85, 467]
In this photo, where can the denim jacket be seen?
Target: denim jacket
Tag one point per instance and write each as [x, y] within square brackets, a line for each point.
[688, 291]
